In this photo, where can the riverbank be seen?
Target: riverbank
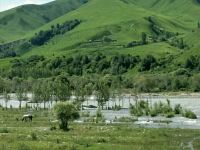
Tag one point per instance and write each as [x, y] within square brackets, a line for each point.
[88, 136]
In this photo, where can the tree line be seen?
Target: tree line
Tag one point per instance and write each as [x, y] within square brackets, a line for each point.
[44, 36]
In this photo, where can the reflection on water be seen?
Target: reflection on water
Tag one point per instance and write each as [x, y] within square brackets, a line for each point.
[186, 101]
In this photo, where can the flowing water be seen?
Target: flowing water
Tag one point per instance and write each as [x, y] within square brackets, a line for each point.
[191, 102]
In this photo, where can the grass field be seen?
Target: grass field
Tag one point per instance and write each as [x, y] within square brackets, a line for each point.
[37, 135]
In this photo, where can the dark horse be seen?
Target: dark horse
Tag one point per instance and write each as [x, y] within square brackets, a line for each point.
[27, 117]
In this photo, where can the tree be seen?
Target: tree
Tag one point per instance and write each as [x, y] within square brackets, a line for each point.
[148, 63]
[6, 91]
[45, 91]
[65, 113]
[79, 90]
[20, 88]
[2, 85]
[37, 91]
[102, 93]
[144, 38]
[62, 88]
[192, 62]
[6, 97]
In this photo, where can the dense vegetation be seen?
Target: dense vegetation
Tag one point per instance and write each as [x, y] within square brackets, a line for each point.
[143, 108]
[44, 36]
[114, 69]
[163, 54]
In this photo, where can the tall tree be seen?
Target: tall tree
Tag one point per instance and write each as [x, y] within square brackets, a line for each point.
[20, 89]
[62, 88]
[102, 93]
[46, 91]
[144, 38]
[65, 112]
[6, 91]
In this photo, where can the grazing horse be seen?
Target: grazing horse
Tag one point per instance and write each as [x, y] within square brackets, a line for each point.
[27, 117]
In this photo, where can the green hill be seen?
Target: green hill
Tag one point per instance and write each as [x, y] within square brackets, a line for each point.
[15, 23]
[124, 20]
[165, 29]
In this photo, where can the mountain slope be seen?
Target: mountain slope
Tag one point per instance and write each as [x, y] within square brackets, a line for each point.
[123, 21]
[15, 23]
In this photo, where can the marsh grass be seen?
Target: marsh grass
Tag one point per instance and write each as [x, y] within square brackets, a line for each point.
[142, 108]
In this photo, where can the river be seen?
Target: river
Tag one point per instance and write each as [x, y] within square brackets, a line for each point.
[191, 102]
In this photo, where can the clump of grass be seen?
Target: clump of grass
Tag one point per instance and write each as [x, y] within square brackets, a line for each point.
[142, 108]
[99, 114]
[33, 136]
[53, 128]
[4, 130]
[178, 109]
[73, 147]
[23, 147]
[189, 114]
[153, 113]
[170, 115]
[101, 140]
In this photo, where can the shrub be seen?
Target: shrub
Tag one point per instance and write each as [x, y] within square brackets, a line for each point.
[101, 140]
[189, 114]
[99, 114]
[170, 115]
[66, 112]
[148, 63]
[53, 128]
[178, 109]
[153, 113]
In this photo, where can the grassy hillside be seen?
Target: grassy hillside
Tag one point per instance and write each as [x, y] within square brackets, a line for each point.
[15, 23]
[111, 26]
[127, 23]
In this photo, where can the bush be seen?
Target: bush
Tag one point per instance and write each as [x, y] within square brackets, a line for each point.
[148, 63]
[170, 115]
[101, 140]
[189, 114]
[66, 112]
[153, 113]
[53, 128]
[178, 109]
[99, 114]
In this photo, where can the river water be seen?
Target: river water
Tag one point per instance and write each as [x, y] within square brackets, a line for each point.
[191, 102]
